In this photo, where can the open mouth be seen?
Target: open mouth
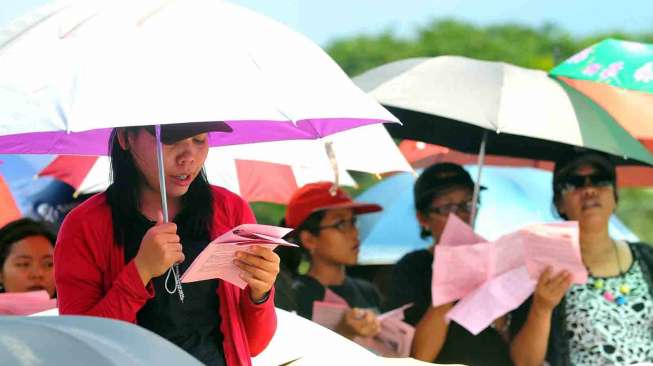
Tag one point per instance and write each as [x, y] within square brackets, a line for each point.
[182, 179]
[587, 205]
[36, 288]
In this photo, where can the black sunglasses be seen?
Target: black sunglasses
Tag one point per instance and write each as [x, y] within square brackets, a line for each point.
[452, 208]
[574, 182]
[341, 225]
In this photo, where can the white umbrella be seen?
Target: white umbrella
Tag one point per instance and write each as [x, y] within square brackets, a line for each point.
[73, 71]
[477, 106]
[87, 65]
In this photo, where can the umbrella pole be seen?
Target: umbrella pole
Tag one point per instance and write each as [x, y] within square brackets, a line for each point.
[477, 184]
[164, 209]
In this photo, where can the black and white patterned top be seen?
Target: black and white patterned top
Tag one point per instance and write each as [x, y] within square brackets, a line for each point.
[602, 332]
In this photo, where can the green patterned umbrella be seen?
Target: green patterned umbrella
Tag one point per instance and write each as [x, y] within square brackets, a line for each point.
[624, 64]
[618, 76]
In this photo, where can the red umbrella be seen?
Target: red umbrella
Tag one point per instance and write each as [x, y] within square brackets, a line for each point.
[420, 155]
[8, 209]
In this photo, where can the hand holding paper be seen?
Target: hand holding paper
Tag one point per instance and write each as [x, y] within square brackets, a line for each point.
[482, 273]
[217, 259]
[394, 338]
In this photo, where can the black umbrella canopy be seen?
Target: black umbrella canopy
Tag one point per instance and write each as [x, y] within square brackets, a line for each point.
[456, 101]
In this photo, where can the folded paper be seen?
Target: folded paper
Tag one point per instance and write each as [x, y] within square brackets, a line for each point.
[491, 278]
[217, 259]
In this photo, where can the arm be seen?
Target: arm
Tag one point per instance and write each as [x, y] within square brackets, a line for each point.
[79, 279]
[262, 267]
[530, 344]
[260, 321]
[430, 333]
[410, 285]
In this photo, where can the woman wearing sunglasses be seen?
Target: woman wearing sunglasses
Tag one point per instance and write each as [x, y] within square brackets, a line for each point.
[324, 219]
[609, 320]
[441, 190]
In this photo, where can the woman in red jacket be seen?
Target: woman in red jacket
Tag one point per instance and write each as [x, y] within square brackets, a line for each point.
[113, 251]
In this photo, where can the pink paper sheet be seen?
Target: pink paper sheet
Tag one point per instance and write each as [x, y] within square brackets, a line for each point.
[25, 303]
[493, 299]
[458, 232]
[493, 278]
[393, 340]
[556, 245]
[216, 260]
[460, 269]
[328, 314]
[333, 298]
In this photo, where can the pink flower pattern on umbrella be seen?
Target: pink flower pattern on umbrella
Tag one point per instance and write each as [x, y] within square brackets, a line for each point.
[580, 56]
[612, 70]
[645, 73]
[592, 69]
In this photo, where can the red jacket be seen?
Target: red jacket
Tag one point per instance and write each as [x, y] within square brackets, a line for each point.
[93, 279]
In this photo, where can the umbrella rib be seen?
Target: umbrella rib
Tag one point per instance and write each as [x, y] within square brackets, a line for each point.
[260, 69]
[11, 37]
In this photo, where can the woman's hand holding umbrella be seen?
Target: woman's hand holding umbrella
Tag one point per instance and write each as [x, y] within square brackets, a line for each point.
[260, 266]
[159, 250]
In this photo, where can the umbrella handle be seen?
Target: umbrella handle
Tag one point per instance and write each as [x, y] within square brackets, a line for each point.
[164, 209]
[477, 184]
[331, 154]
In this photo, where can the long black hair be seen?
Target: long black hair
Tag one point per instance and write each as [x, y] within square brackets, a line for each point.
[292, 257]
[124, 192]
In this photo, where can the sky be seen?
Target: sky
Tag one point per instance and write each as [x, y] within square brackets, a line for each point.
[325, 21]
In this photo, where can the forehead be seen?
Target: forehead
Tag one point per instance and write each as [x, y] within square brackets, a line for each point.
[32, 246]
[338, 213]
[453, 194]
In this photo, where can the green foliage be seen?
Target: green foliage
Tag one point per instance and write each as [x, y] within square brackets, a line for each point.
[636, 210]
[535, 47]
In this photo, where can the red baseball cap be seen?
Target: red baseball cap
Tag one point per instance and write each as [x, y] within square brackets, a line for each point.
[315, 197]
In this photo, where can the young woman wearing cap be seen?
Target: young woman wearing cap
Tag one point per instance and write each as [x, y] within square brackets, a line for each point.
[26, 248]
[325, 226]
[609, 320]
[113, 251]
[440, 190]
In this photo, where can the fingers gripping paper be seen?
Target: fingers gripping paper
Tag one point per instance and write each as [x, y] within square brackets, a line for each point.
[217, 259]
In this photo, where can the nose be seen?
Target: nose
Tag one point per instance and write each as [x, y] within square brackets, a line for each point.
[37, 272]
[354, 233]
[464, 215]
[588, 190]
[186, 152]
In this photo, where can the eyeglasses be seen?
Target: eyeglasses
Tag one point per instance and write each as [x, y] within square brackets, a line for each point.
[341, 225]
[452, 208]
[573, 182]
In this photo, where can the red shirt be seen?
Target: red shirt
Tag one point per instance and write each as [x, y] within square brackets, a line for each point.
[92, 277]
